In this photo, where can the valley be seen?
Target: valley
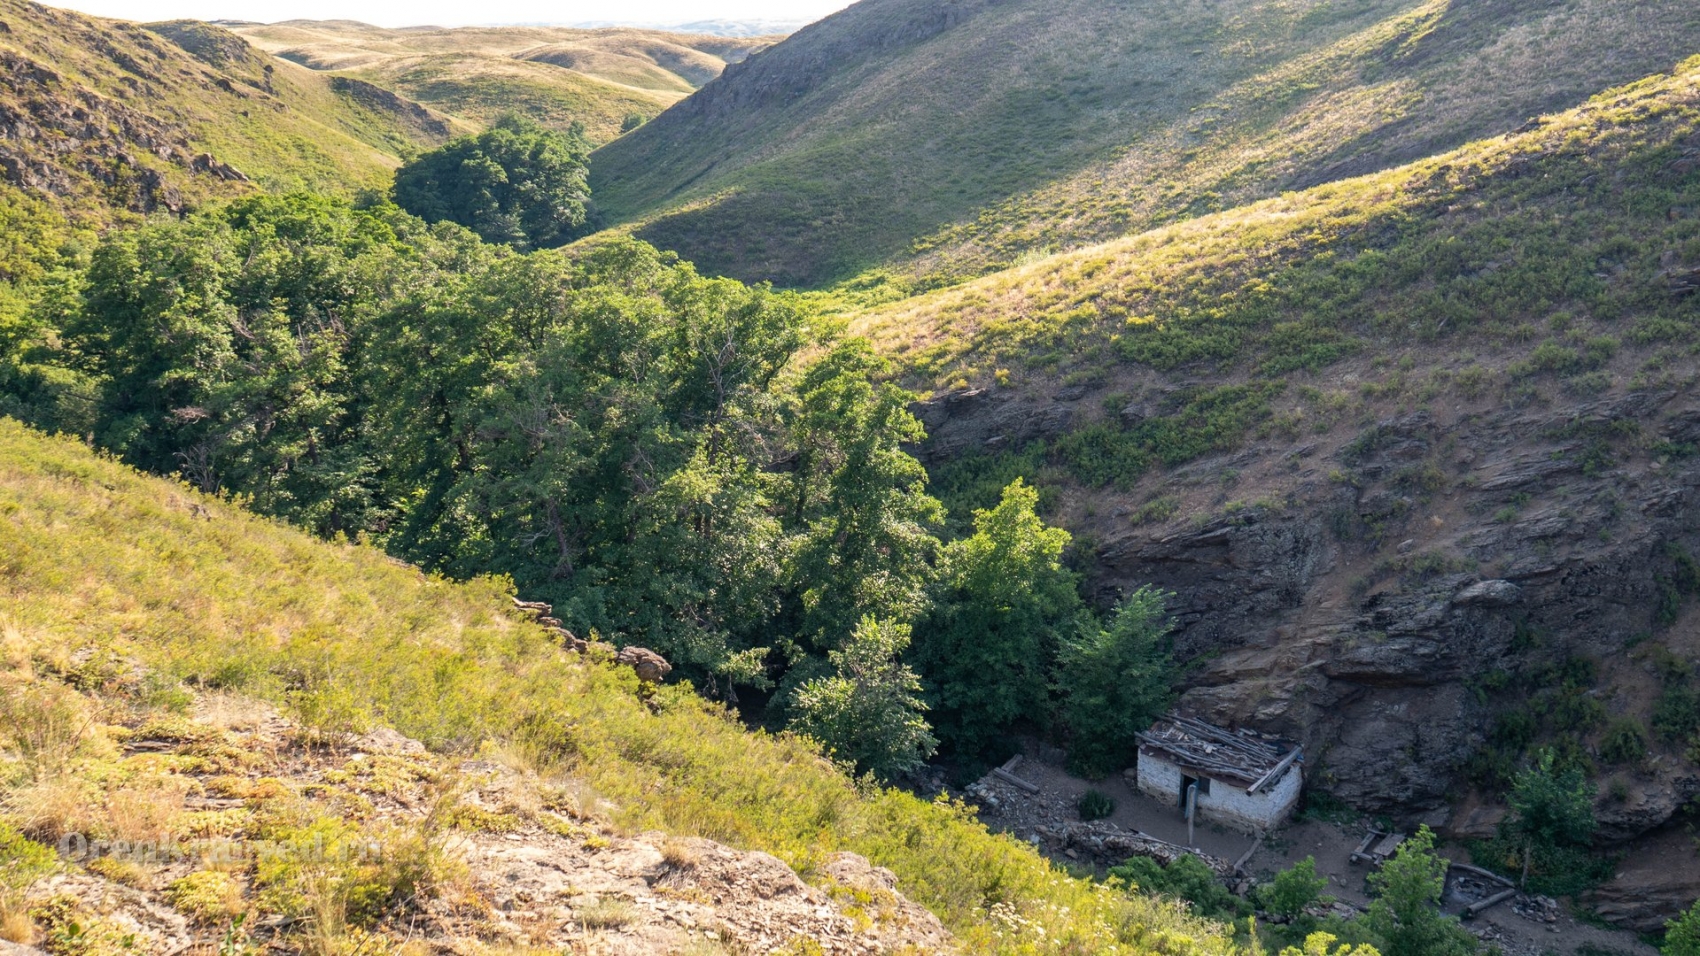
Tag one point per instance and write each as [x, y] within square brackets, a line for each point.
[941, 382]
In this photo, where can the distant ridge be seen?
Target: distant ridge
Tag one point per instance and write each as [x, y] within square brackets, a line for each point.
[718, 28]
[946, 140]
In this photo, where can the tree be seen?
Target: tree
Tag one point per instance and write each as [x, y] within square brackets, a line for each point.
[864, 543]
[1551, 810]
[1293, 889]
[1682, 935]
[869, 711]
[1115, 681]
[1003, 605]
[1406, 913]
[516, 183]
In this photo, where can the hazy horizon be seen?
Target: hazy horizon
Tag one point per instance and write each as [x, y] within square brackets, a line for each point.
[386, 13]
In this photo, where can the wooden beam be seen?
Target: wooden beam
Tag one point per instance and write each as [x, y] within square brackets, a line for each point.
[1240, 863]
[1494, 900]
[1486, 874]
[1275, 773]
[1011, 778]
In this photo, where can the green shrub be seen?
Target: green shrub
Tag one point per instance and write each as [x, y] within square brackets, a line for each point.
[1095, 805]
[1293, 889]
[1187, 878]
[1625, 741]
[1676, 712]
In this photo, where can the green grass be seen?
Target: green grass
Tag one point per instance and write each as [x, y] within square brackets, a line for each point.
[95, 555]
[887, 137]
[1551, 250]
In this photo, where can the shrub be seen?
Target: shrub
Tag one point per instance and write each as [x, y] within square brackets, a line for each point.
[1625, 741]
[207, 896]
[1676, 712]
[1682, 935]
[1293, 889]
[1187, 878]
[1095, 805]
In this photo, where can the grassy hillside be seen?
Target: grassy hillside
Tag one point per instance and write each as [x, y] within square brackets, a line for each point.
[953, 139]
[555, 75]
[1320, 417]
[1580, 227]
[106, 115]
[102, 569]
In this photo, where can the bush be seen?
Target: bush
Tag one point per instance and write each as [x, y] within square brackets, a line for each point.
[1682, 935]
[1676, 713]
[1293, 889]
[1187, 878]
[1625, 741]
[1095, 805]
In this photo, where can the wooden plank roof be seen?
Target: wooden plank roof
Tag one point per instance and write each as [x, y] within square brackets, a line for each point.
[1244, 756]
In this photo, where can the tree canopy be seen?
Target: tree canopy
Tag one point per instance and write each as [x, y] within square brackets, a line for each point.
[674, 461]
[517, 183]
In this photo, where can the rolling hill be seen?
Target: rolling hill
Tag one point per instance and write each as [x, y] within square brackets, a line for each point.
[102, 117]
[555, 75]
[1413, 449]
[950, 139]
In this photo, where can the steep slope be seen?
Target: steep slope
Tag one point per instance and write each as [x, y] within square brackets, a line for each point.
[1416, 451]
[97, 115]
[129, 605]
[554, 75]
[949, 139]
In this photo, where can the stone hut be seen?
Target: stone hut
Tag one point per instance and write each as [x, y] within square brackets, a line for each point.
[1244, 779]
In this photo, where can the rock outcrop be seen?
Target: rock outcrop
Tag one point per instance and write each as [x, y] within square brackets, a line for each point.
[1375, 591]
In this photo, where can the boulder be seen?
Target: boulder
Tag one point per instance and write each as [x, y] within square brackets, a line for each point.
[651, 667]
[1489, 594]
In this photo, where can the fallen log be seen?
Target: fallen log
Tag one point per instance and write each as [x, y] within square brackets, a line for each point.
[1011, 778]
[1474, 908]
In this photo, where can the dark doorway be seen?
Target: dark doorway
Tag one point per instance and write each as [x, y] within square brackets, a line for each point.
[1187, 783]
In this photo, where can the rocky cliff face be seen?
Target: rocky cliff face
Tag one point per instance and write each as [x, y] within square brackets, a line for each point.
[1387, 590]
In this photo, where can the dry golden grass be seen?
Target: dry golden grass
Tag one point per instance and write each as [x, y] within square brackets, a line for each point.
[555, 75]
[95, 554]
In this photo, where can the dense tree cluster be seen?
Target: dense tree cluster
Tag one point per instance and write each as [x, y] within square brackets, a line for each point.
[674, 461]
[517, 183]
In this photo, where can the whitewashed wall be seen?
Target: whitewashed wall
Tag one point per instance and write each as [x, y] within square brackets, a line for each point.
[1226, 803]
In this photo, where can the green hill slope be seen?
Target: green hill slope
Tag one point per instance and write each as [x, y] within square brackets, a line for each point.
[554, 75]
[951, 139]
[103, 115]
[101, 567]
[1332, 421]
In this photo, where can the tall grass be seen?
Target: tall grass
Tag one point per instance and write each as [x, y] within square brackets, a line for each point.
[93, 554]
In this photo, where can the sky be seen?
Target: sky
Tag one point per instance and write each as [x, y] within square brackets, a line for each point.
[396, 13]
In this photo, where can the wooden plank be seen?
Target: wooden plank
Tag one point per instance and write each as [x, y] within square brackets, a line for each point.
[1362, 852]
[1013, 762]
[1386, 847]
[1275, 773]
[1240, 863]
[1011, 778]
